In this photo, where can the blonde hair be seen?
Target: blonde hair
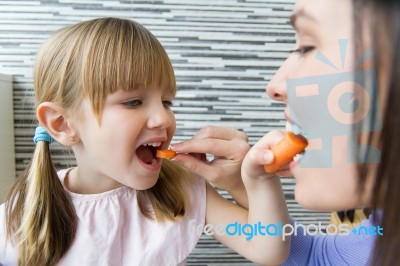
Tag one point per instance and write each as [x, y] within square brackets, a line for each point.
[90, 59]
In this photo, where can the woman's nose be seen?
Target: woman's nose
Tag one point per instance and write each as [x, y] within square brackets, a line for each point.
[276, 88]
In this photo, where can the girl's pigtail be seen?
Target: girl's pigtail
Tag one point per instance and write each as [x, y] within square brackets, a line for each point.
[40, 215]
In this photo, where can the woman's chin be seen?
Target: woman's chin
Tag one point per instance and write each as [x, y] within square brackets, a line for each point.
[320, 200]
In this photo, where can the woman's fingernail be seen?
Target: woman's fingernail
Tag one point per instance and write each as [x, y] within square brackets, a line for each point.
[175, 146]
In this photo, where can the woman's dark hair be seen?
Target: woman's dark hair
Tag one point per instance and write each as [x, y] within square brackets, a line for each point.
[377, 26]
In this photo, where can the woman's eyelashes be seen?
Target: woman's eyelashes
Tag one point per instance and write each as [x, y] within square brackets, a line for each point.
[303, 50]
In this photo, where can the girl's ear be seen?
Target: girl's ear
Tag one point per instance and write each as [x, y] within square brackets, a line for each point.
[53, 118]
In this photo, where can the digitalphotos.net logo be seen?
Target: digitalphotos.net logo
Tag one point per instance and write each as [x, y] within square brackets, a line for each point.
[345, 103]
[283, 230]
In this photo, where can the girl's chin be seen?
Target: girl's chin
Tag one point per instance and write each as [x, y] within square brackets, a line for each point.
[143, 182]
[144, 185]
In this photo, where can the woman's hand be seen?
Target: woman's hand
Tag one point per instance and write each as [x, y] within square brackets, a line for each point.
[260, 154]
[228, 146]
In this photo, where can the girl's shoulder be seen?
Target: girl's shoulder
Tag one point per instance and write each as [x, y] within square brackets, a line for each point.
[2, 220]
[8, 251]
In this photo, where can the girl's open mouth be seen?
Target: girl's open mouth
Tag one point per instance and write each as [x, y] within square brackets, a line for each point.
[147, 152]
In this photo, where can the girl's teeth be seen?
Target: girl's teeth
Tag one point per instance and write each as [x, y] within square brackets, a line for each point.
[154, 144]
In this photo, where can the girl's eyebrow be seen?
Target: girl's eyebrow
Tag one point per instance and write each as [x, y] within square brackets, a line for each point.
[300, 13]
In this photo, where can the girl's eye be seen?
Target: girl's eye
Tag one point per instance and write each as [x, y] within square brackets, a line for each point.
[132, 103]
[168, 104]
[303, 50]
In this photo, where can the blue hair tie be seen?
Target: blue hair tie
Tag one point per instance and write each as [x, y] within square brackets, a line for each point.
[42, 135]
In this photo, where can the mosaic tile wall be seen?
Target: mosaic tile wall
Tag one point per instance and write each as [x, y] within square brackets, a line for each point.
[224, 53]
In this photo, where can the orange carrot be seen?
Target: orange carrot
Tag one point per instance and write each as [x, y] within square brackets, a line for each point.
[166, 154]
[285, 150]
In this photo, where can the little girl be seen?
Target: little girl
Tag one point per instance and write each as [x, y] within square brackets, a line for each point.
[105, 87]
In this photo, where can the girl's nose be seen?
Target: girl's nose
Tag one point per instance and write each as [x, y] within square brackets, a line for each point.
[160, 117]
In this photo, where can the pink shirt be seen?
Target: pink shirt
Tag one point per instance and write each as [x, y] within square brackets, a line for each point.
[112, 231]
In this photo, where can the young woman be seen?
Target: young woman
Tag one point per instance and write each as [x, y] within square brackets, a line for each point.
[341, 88]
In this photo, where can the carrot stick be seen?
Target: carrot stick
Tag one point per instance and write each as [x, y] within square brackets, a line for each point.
[285, 150]
[166, 154]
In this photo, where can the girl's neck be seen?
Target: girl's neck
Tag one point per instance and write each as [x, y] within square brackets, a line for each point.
[76, 184]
